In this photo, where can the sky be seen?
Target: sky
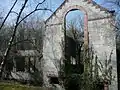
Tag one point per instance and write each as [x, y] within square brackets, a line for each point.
[75, 18]
[5, 5]
[52, 4]
[109, 4]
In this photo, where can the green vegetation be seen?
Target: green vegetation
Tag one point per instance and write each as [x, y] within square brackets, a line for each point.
[7, 86]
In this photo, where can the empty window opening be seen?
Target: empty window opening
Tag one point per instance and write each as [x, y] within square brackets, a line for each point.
[20, 63]
[74, 35]
[54, 80]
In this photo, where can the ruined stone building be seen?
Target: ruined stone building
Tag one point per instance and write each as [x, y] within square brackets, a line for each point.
[98, 34]
[22, 65]
[25, 62]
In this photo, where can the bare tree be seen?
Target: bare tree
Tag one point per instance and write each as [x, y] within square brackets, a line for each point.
[17, 23]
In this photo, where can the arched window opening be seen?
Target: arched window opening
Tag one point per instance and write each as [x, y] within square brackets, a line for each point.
[74, 34]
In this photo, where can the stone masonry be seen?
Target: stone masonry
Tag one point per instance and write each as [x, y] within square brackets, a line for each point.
[97, 28]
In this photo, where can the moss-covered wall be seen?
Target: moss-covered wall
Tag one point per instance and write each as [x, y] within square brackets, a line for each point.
[4, 86]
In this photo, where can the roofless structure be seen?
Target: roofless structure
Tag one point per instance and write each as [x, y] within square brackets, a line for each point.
[98, 34]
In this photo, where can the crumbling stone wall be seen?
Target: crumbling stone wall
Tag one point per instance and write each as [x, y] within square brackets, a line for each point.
[97, 25]
[102, 39]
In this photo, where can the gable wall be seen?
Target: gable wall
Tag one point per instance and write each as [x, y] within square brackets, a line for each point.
[101, 37]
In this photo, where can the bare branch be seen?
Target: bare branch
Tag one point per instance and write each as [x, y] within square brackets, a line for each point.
[14, 12]
[21, 12]
[33, 12]
[40, 4]
[6, 54]
[20, 42]
[8, 14]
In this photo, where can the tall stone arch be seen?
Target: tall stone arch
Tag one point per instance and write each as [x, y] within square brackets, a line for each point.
[97, 27]
[83, 10]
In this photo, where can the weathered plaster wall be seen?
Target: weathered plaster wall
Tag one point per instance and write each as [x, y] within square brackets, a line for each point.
[102, 40]
[52, 51]
[101, 36]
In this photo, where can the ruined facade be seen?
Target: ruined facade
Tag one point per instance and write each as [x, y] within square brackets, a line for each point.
[22, 65]
[98, 34]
